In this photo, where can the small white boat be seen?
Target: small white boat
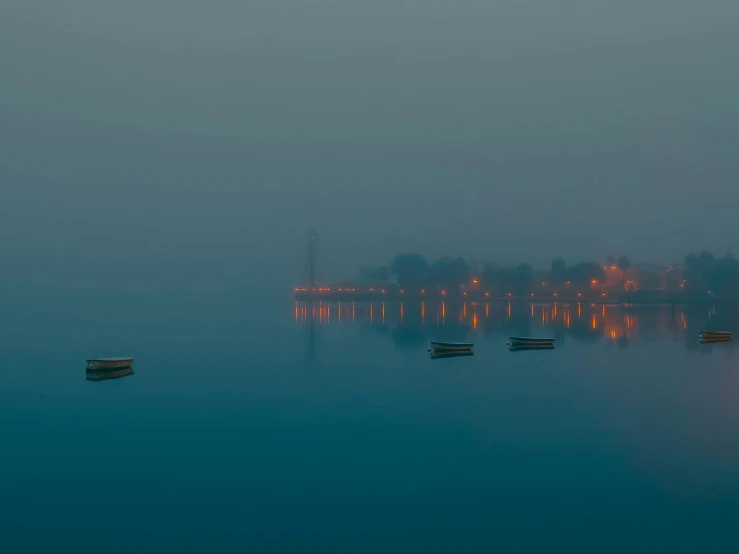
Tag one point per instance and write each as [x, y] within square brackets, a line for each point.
[530, 341]
[451, 346]
[109, 363]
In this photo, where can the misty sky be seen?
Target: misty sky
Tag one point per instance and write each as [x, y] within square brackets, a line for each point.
[218, 132]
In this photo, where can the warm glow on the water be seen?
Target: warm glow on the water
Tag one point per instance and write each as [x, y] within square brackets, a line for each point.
[371, 309]
[383, 312]
[578, 310]
[443, 311]
[487, 310]
[423, 311]
[402, 313]
[474, 321]
[595, 323]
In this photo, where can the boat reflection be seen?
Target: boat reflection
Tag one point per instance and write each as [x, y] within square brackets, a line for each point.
[715, 340]
[105, 374]
[515, 348]
[410, 325]
[438, 355]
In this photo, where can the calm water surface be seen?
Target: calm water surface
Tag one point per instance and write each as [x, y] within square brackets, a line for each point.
[265, 426]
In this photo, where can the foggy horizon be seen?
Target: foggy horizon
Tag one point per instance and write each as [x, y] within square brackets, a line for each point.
[216, 134]
[185, 368]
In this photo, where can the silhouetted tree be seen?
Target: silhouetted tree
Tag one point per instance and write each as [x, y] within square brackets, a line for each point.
[449, 273]
[503, 280]
[382, 273]
[559, 266]
[524, 273]
[705, 271]
[674, 278]
[410, 268]
[585, 272]
[623, 264]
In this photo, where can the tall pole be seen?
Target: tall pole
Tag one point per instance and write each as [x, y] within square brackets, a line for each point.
[312, 251]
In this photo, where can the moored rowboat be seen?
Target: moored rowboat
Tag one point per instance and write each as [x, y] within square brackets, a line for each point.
[109, 363]
[716, 334]
[451, 346]
[530, 341]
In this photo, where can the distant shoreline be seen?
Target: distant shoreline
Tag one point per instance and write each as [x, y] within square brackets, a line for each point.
[635, 298]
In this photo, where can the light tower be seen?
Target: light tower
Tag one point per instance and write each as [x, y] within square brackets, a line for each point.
[312, 252]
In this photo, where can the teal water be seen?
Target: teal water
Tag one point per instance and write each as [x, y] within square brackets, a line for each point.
[254, 425]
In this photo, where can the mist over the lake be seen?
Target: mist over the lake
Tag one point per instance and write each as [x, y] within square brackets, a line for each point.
[169, 141]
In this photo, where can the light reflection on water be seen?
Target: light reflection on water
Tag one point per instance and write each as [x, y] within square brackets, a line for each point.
[583, 321]
[266, 426]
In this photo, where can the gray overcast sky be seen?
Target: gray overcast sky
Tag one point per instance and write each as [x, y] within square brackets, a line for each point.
[220, 131]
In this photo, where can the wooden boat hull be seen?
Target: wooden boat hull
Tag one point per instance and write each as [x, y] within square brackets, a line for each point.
[104, 374]
[109, 363]
[451, 346]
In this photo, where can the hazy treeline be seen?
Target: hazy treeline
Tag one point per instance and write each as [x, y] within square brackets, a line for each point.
[449, 272]
[697, 273]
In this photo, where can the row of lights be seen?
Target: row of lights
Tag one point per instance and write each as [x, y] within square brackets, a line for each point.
[423, 291]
